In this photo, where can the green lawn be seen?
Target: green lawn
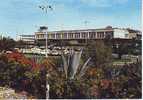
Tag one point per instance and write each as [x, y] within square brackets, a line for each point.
[121, 61]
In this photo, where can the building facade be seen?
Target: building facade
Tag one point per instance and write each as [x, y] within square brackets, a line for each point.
[75, 34]
[80, 36]
[29, 40]
[89, 34]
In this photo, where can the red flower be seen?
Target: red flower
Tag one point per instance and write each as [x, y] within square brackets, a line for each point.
[94, 90]
[105, 83]
[25, 82]
[92, 72]
[18, 57]
[34, 65]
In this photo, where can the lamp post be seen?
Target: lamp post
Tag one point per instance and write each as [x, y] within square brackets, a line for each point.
[45, 8]
[47, 87]
[85, 23]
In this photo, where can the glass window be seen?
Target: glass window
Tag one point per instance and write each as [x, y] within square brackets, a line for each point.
[70, 35]
[109, 33]
[92, 35]
[84, 35]
[58, 36]
[65, 36]
[77, 35]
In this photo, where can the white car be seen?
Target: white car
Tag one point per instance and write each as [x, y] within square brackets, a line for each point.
[44, 51]
[55, 52]
[66, 52]
[36, 50]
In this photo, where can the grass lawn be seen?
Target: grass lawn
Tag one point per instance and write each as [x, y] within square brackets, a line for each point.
[121, 61]
[39, 57]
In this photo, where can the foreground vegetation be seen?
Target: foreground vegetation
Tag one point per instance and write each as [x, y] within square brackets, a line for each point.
[22, 74]
[100, 80]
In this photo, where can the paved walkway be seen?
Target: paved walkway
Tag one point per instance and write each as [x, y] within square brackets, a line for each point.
[6, 93]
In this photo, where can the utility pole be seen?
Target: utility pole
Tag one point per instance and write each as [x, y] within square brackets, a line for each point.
[85, 23]
[45, 9]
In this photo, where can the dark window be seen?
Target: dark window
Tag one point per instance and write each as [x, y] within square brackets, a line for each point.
[53, 36]
[100, 34]
[109, 34]
[70, 35]
[58, 35]
[77, 35]
[84, 35]
[65, 36]
[92, 35]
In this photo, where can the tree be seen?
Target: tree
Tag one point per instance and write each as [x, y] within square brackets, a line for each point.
[100, 53]
[20, 44]
[131, 47]
[7, 44]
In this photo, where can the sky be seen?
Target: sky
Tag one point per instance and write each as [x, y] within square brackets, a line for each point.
[24, 16]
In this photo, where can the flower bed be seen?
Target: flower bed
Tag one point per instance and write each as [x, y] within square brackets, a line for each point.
[23, 74]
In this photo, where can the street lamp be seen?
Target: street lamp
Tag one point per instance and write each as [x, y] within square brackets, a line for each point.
[45, 10]
[85, 23]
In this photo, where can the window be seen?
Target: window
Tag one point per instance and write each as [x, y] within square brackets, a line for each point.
[126, 35]
[70, 35]
[41, 36]
[58, 36]
[109, 34]
[65, 35]
[84, 35]
[100, 34]
[92, 35]
[52, 36]
[77, 35]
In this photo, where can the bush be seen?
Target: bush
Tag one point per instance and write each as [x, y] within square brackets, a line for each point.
[23, 74]
[100, 53]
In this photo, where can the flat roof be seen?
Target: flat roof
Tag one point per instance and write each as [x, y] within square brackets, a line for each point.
[81, 30]
[92, 30]
[27, 35]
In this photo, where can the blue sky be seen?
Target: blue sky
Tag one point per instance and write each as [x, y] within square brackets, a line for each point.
[24, 16]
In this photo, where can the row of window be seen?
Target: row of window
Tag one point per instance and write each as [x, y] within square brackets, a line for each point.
[83, 35]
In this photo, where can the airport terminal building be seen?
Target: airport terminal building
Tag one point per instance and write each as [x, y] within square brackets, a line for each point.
[90, 34]
[80, 36]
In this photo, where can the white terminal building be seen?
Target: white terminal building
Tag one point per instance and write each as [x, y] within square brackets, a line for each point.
[84, 34]
[90, 34]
